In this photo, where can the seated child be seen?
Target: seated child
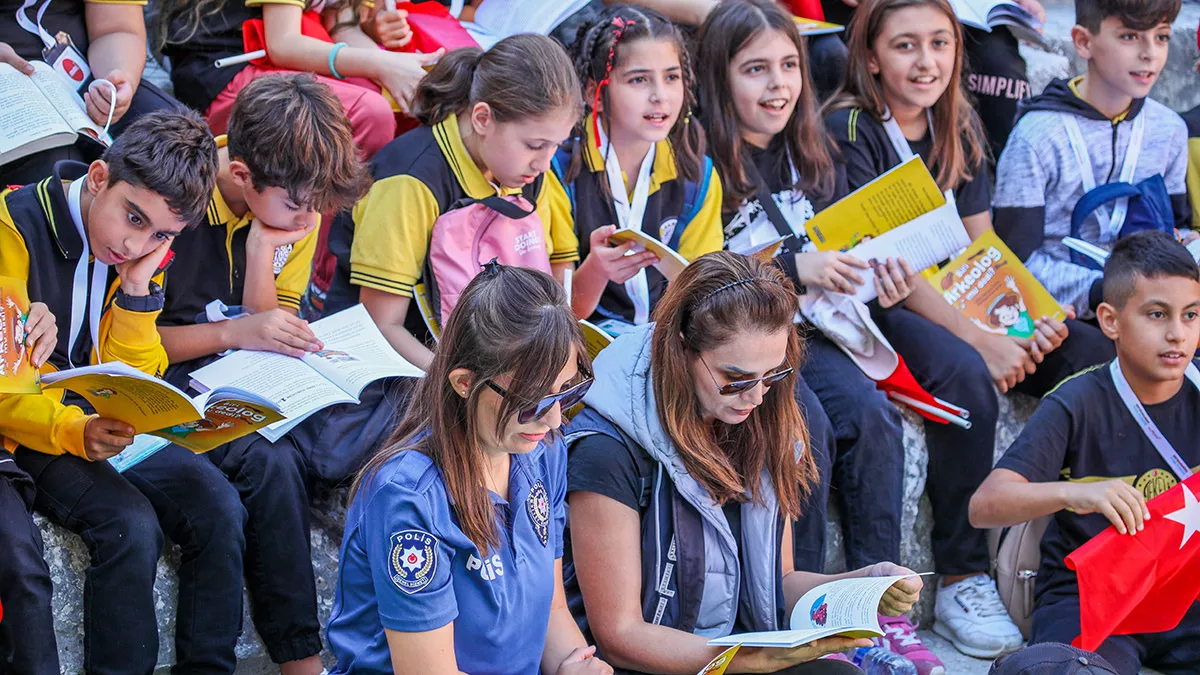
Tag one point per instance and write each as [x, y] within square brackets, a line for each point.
[120, 214]
[452, 557]
[1122, 134]
[1084, 458]
[289, 156]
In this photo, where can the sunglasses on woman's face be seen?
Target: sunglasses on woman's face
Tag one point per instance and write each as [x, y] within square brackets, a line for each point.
[739, 386]
[568, 398]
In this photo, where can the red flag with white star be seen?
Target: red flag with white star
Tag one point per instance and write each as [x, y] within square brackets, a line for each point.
[1143, 583]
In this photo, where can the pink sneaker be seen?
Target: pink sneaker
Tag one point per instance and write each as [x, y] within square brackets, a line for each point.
[900, 637]
[839, 656]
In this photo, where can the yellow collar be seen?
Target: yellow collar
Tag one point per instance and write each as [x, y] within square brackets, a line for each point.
[662, 171]
[1074, 86]
[469, 177]
[219, 212]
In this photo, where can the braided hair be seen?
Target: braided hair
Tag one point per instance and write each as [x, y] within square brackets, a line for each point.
[598, 52]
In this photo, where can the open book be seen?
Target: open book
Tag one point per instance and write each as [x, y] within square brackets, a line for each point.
[990, 286]
[809, 27]
[355, 355]
[121, 392]
[17, 374]
[39, 112]
[670, 263]
[847, 607]
[988, 14]
[595, 337]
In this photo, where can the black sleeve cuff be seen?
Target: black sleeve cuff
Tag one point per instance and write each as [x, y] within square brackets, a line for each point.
[145, 303]
[787, 260]
[1096, 294]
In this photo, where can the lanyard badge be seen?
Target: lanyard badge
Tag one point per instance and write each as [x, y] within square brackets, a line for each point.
[58, 51]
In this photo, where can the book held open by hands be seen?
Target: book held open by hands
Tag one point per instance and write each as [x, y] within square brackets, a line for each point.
[17, 374]
[39, 112]
[670, 263]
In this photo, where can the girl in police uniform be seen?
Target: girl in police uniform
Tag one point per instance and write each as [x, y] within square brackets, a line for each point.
[451, 560]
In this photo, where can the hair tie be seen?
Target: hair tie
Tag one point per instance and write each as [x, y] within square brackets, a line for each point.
[609, 62]
[492, 267]
[723, 287]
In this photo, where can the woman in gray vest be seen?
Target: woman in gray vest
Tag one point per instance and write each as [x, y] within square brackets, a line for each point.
[686, 472]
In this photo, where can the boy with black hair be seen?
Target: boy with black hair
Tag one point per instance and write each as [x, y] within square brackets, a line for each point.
[1093, 129]
[1086, 458]
[72, 236]
[289, 156]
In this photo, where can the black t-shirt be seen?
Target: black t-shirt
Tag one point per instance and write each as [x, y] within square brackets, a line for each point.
[62, 15]
[603, 465]
[192, 52]
[1082, 431]
[868, 153]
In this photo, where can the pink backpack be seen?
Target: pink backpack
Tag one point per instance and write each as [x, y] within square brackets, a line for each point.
[473, 232]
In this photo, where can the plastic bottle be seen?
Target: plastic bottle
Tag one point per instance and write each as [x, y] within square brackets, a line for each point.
[879, 661]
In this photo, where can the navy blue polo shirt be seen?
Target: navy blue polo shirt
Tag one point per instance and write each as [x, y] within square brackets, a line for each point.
[406, 566]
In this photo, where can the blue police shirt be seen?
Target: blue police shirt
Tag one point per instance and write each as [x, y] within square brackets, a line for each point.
[406, 566]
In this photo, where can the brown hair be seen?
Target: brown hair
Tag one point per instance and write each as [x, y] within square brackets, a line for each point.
[521, 77]
[598, 53]
[508, 320]
[1135, 14]
[291, 132]
[172, 154]
[703, 309]
[728, 29]
[958, 142]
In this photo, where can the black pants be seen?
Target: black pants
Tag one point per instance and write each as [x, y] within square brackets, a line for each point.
[1174, 652]
[808, 534]
[995, 75]
[272, 480]
[27, 645]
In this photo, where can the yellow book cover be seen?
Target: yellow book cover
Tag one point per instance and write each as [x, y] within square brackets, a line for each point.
[993, 289]
[670, 263]
[814, 27]
[17, 374]
[425, 306]
[718, 665]
[595, 337]
[223, 421]
[891, 200]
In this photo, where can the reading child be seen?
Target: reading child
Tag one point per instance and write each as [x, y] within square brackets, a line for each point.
[196, 34]
[490, 124]
[638, 162]
[1065, 462]
[768, 142]
[692, 417]
[70, 236]
[27, 642]
[452, 557]
[1093, 129]
[288, 157]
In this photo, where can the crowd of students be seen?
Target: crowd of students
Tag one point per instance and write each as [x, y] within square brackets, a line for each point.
[712, 433]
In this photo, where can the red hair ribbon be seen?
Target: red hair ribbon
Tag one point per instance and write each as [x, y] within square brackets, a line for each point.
[621, 25]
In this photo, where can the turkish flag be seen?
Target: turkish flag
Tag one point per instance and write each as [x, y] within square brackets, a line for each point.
[1143, 583]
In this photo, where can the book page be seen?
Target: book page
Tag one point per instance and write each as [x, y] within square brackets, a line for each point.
[120, 392]
[355, 352]
[894, 198]
[925, 241]
[670, 263]
[595, 338]
[66, 102]
[25, 114]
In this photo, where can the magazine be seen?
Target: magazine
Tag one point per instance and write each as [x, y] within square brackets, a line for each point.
[17, 374]
[39, 112]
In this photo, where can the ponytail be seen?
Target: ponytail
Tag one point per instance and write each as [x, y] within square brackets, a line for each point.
[447, 88]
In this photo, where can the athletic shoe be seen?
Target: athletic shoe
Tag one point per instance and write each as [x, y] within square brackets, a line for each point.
[971, 616]
[900, 637]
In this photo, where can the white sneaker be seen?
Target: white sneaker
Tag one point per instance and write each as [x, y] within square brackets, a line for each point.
[971, 616]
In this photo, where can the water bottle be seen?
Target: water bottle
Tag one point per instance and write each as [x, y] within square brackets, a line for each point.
[879, 661]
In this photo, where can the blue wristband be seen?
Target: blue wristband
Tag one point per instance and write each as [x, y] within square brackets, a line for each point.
[332, 56]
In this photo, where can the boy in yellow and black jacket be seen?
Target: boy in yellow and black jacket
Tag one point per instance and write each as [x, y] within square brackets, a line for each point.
[288, 157]
[70, 237]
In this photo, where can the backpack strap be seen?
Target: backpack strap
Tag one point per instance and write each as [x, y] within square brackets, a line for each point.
[498, 204]
[694, 194]
[558, 164]
[1097, 197]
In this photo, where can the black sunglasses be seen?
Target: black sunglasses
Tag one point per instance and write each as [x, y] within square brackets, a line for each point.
[567, 399]
[739, 386]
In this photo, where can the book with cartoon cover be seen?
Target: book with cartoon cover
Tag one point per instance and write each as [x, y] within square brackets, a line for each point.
[152, 406]
[17, 374]
[846, 607]
[989, 285]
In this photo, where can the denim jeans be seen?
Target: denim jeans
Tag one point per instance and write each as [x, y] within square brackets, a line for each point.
[27, 645]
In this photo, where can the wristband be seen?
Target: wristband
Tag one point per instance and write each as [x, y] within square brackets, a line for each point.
[146, 303]
[332, 56]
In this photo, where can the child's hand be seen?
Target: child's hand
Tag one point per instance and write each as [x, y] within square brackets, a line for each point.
[274, 331]
[265, 237]
[401, 73]
[583, 661]
[900, 597]
[831, 270]
[1048, 335]
[893, 279]
[103, 438]
[1120, 502]
[773, 659]
[1007, 360]
[612, 262]
[41, 333]
[136, 274]
[99, 97]
[9, 55]
[391, 28]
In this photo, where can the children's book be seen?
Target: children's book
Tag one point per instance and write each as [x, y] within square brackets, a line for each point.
[425, 307]
[766, 250]
[17, 374]
[814, 27]
[718, 665]
[355, 355]
[988, 14]
[990, 286]
[121, 392]
[897, 196]
[670, 263]
[595, 337]
[846, 607]
[39, 112]
[143, 446]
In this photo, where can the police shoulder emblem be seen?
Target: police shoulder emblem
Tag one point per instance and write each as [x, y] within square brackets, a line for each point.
[412, 560]
[538, 506]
